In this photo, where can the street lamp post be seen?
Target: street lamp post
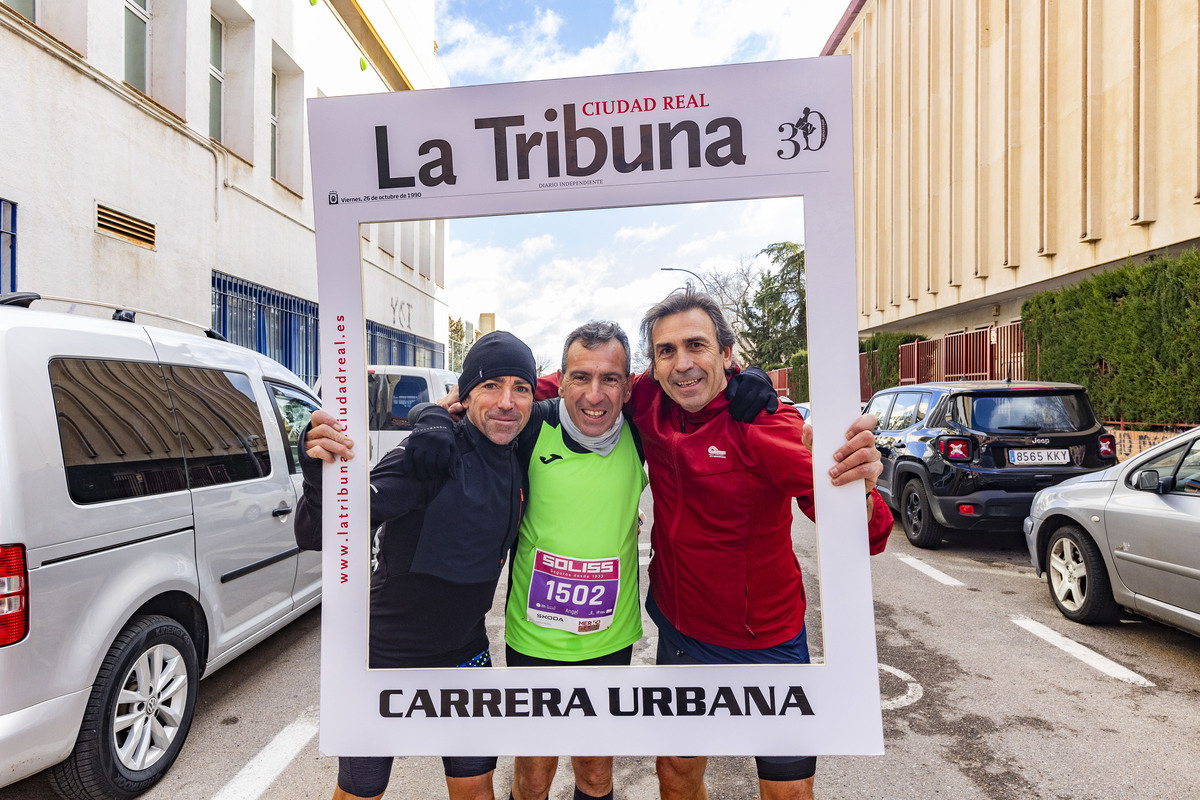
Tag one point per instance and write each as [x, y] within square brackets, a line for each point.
[688, 271]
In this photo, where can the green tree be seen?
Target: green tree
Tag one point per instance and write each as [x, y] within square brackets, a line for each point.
[776, 316]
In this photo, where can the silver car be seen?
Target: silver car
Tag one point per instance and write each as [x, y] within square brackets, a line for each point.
[1127, 536]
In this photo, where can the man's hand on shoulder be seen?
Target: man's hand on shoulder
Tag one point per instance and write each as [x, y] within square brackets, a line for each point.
[431, 449]
[325, 439]
[750, 392]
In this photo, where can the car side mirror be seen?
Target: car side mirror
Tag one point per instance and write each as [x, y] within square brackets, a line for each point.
[1149, 481]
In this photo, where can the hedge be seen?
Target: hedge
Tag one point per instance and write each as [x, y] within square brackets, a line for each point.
[884, 370]
[1129, 335]
[798, 377]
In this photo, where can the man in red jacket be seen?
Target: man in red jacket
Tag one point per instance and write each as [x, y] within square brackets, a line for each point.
[725, 586]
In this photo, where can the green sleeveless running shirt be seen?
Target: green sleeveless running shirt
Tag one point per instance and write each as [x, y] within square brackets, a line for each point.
[574, 592]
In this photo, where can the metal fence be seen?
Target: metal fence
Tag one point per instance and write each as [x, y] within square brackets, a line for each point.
[995, 353]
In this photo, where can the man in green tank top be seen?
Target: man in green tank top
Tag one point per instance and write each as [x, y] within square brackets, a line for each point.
[573, 596]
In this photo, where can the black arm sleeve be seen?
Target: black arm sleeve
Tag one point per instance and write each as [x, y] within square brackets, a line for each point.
[393, 493]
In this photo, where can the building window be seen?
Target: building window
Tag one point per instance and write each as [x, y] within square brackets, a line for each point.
[274, 124]
[278, 325]
[137, 43]
[23, 7]
[393, 346]
[216, 77]
[287, 120]
[8, 246]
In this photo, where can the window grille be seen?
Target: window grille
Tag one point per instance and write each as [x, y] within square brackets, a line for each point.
[285, 328]
[393, 346]
[278, 325]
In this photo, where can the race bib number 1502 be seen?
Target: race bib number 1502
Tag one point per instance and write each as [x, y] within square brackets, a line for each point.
[573, 594]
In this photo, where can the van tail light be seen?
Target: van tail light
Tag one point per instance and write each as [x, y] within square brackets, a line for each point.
[14, 594]
[1108, 445]
[955, 448]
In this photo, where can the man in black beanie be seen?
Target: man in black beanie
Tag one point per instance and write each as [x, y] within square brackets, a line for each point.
[444, 543]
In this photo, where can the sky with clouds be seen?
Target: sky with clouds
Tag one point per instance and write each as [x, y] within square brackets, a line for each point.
[544, 274]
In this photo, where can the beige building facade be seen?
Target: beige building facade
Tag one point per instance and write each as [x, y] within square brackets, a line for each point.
[1006, 147]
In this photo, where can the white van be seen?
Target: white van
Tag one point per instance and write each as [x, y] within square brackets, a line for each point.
[392, 391]
[147, 482]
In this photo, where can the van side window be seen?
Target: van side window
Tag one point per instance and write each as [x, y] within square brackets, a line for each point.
[295, 410]
[407, 391]
[222, 429]
[116, 430]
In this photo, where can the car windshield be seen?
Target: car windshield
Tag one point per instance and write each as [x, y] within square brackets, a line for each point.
[1024, 413]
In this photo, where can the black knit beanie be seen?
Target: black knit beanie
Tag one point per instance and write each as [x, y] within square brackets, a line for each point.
[495, 355]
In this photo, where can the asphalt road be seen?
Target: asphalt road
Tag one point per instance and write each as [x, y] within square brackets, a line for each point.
[977, 704]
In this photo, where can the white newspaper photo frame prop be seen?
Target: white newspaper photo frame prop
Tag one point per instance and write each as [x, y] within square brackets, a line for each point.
[738, 132]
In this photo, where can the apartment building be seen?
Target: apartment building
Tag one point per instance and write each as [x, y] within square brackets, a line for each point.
[1006, 147]
[155, 156]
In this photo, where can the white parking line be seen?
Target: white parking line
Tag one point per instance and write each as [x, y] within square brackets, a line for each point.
[264, 768]
[937, 575]
[1089, 657]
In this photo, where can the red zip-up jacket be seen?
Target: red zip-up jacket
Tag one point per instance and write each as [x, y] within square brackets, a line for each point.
[723, 569]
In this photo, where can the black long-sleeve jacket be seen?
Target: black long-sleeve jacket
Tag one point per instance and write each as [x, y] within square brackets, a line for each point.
[444, 544]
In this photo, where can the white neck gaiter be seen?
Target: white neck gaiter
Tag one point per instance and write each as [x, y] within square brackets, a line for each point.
[602, 444]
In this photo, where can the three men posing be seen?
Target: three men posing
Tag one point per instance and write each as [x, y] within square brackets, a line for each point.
[725, 585]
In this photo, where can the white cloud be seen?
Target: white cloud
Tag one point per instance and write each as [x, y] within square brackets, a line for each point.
[651, 233]
[537, 245]
[646, 34]
[701, 245]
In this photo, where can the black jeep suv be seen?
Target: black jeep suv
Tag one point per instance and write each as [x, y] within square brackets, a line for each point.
[970, 455]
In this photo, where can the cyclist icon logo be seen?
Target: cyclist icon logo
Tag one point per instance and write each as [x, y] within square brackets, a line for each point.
[810, 127]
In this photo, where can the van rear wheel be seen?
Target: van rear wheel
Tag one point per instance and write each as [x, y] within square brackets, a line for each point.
[137, 716]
